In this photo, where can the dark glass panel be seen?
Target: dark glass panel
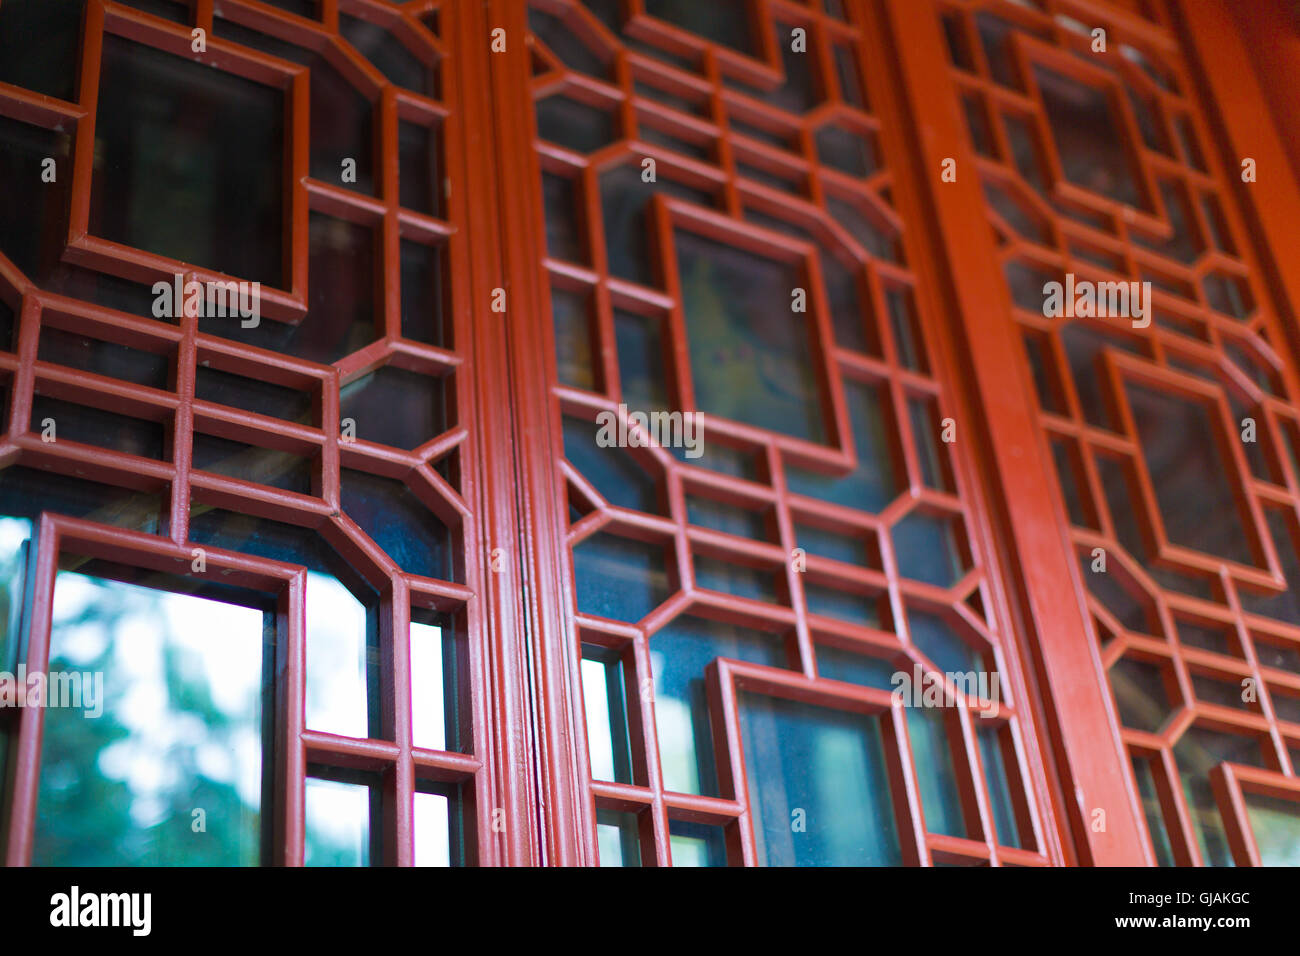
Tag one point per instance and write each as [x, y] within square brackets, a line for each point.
[400, 523]
[730, 24]
[38, 45]
[1191, 479]
[342, 117]
[641, 360]
[574, 124]
[929, 548]
[574, 337]
[389, 55]
[614, 472]
[1088, 137]
[95, 426]
[34, 215]
[565, 238]
[425, 316]
[419, 150]
[253, 395]
[166, 184]
[264, 466]
[104, 358]
[392, 406]
[1140, 694]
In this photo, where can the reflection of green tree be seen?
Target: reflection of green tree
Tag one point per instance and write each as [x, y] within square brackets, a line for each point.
[85, 814]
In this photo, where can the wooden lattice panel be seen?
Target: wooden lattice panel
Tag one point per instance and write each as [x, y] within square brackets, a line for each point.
[826, 539]
[1173, 433]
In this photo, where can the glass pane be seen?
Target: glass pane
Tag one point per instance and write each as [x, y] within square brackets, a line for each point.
[337, 823]
[1276, 825]
[874, 483]
[1151, 809]
[432, 829]
[160, 762]
[936, 776]
[1088, 137]
[751, 355]
[338, 654]
[616, 833]
[818, 785]
[679, 656]
[604, 695]
[428, 687]
[619, 577]
[696, 844]
[166, 176]
[1000, 784]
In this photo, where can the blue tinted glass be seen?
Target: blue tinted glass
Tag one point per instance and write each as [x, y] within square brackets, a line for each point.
[999, 781]
[696, 844]
[616, 832]
[818, 785]
[936, 777]
[873, 484]
[616, 474]
[619, 577]
[1276, 825]
[679, 656]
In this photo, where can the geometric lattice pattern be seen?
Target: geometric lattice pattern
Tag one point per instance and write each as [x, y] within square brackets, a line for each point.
[335, 427]
[699, 173]
[1174, 441]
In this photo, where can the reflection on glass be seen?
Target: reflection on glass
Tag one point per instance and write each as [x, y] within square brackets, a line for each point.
[696, 844]
[818, 785]
[14, 534]
[936, 776]
[170, 772]
[617, 837]
[1276, 825]
[752, 356]
[619, 577]
[432, 829]
[604, 696]
[1197, 753]
[1000, 784]
[337, 823]
[337, 651]
[1151, 809]
[679, 656]
[428, 687]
